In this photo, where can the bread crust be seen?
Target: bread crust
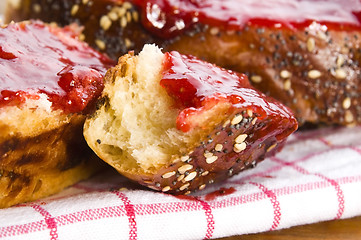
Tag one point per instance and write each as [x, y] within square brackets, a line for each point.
[43, 159]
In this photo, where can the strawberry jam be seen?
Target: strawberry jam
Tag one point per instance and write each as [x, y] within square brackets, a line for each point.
[197, 86]
[168, 18]
[38, 59]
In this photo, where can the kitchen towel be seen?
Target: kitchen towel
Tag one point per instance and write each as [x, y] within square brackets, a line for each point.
[316, 177]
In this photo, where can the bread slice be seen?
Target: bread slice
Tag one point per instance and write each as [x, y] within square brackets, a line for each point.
[156, 134]
[49, 80]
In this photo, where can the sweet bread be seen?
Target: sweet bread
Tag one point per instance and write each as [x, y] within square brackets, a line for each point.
[304, 53]
[49, 80]
[175, 123]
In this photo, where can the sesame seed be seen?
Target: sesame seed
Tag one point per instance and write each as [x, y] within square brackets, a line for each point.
[256, 78]
[314, 74]
[37, 8]
[285, 74]
[101, 44]
[340, 74]
[208, 154]
[214, 30]
[184, 168]
[81, 37]
[135, 16]
[113, 16]
[201, 187]
[128, 43]
[105, 22]
[241, 138]
[180, 178]
[205, 173]
[340, 60]
[123, 22]
[212, 159]
[127, 5]
[166, 189]
[129, 17]
[226, 123]
[237, 119]
[239, 147]
[121, 11]
[74, 9]
[249, 112]
[187, 193]
[218, 147]
[349, 116]
[190, 176]
[184, 186]
[346, 104]
[271, 147]
[168, 174]
[254, 121]
[85, 2]
[311, 44]
[184, 158]
[322, 35]
[287, 85]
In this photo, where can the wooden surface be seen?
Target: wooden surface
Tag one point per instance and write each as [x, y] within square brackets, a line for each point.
[348, 229]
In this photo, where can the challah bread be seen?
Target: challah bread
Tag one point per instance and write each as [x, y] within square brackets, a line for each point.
[304, 53]
[49, 80]
[176, 124]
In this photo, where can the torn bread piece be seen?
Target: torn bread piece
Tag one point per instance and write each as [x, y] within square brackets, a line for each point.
[175, 123]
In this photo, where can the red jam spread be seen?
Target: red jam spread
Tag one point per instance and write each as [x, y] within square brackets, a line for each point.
[197, 86]
[168, 18]
[39, 59]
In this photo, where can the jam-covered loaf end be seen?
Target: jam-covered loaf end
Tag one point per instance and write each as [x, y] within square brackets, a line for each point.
[175, 123]
[49, 80]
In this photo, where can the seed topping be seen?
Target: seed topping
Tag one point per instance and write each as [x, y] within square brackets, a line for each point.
[190, 176]
[237, 119]
[346, 104]
[168, 174]
[166, 189]
[241, 138]
[256, 78]
[218, 147]
[185, 168]
[184, 186]
[313, 74]
[239, 147]
[211, 159]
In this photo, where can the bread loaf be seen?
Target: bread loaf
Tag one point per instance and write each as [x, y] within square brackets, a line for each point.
[49, 80]
[176, 124]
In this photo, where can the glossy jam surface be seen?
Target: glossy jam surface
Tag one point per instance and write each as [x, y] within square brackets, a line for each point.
[197, 86]
[167, 18]
[35, 58]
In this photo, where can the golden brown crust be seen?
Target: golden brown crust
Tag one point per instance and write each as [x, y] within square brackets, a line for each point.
[313, 71]
[42, 162]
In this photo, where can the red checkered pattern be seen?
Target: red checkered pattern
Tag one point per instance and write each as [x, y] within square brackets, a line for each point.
[316, 177]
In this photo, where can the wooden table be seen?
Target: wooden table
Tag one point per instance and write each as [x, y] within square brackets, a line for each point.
[348, 229]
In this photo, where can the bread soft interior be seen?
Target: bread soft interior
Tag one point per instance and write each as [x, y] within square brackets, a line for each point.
[136, 126]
